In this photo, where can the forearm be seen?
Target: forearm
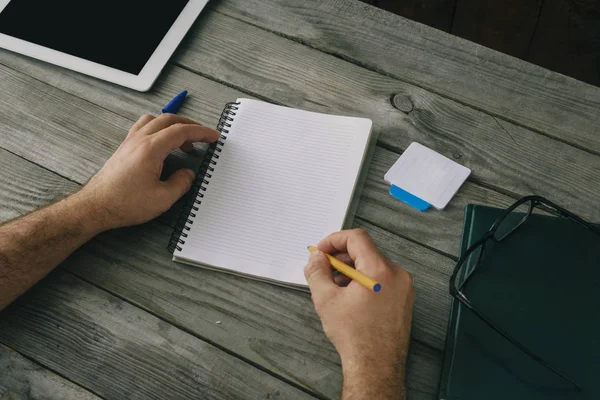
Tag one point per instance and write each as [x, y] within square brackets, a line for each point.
[31, 246]
[369, 378]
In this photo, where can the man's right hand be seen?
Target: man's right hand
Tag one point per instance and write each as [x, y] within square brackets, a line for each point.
[371, 331]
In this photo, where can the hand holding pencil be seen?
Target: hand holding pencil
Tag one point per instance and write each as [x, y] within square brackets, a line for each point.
[373, 327]
[351, 273]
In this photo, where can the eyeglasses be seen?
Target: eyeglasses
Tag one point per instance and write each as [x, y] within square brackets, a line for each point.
[506, 225]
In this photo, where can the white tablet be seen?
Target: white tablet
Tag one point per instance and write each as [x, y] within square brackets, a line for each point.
[127, 42]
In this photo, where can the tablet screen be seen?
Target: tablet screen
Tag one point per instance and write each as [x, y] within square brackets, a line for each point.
[121, 34]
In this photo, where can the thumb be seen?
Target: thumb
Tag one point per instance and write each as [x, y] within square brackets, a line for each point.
[179, 183]
[319, 276]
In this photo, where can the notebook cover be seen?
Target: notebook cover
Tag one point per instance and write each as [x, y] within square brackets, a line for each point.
[546, 297]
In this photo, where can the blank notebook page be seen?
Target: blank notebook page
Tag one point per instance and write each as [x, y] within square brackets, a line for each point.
[284, 180]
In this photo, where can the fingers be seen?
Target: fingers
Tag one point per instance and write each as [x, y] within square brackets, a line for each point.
[177, 135]
[355, 242]
[170, 131]
[177, 185]
[344, 257]
[141, 122]
[164, 121]
[188, 147]
[319, 276]
[341, 280]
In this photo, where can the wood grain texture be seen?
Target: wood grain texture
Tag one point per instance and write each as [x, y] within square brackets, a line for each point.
[438, 230]
[26, 127]
[502, 155]
[436, 116]
[23, 190]
[22, 379]
[37, 122]
[507, 26]
[377, 206]
[467, 72]
[567, 39]
[119, 351]
[92, 139]
[270, 326]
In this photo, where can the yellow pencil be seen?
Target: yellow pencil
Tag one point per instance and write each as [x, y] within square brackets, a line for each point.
[350, 272]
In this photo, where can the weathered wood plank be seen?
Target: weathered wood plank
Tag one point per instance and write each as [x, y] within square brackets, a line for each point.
[22, 379]
[25, 187]
[428, 362]
[119, 351]
[467, 72]
[20, 127]
[271, 326]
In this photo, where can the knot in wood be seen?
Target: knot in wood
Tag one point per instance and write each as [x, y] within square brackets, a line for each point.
[402, 103]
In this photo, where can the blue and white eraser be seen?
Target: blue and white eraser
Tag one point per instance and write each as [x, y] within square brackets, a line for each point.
[427, 176]
[409, 199]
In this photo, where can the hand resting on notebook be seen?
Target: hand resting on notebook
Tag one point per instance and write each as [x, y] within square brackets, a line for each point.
[128, 189]
[371, 331]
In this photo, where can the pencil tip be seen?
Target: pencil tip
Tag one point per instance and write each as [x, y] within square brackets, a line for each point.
[377, 287]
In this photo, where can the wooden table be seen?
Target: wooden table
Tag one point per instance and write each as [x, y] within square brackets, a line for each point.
[119, 319]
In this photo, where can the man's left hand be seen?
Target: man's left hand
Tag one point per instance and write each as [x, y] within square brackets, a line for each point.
[128, 189]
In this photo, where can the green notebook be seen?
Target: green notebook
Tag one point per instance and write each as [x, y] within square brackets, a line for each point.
[542, 285]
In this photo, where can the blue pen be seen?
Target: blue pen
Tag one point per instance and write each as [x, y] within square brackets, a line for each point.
[175, 104]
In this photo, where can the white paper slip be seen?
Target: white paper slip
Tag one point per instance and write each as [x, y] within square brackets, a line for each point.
[427, 175]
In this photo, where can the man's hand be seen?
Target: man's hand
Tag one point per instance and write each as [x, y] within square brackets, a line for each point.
[371, 331]
[128, 189]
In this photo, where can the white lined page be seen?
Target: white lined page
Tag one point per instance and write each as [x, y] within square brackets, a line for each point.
[283, 180]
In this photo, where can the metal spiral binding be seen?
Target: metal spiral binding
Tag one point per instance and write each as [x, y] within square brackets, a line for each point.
[194, 197]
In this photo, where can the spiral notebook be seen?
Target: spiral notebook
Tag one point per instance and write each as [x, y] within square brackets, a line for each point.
[279, 179]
